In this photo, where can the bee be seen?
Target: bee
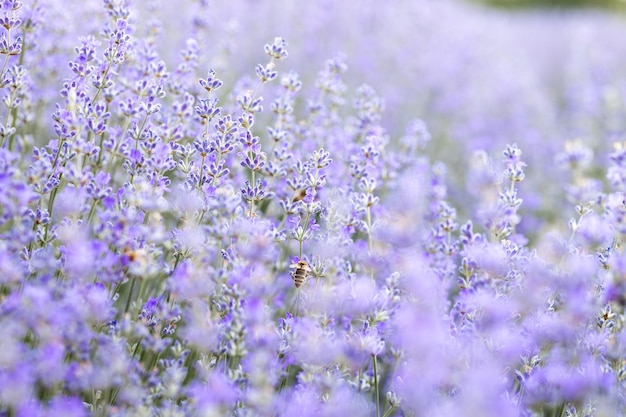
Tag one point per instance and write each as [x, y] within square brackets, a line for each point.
[300, 194]
[301, 272]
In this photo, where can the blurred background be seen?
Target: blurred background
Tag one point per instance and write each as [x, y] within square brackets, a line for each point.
[617, 5]
[480, 73]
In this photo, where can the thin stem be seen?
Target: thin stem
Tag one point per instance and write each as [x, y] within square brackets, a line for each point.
[573, 233]
[305, 228]
[53, 196]
[100, 151]
[376, 393]
[53, 193]
[130, 294]
[558, 412]
[370, 241]
[191, 371]
[253, 182]
[92, 210]
[104, 77]
[13, 125]
[140, 131]
[259, 87]
[389, 410]
[137, 347]
[284, 381]
[4, 64]
[201, 173]
[298, 303]
[317, 281]
[219, 154]
[201, 217]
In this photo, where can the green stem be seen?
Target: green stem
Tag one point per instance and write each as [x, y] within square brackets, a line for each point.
[305, 228]
[177, 259]
[253, 182]
[297, 309]
[201, 217]
[143, 125]
[104, 77]
[389, 410]
[376, 393]
[558, 412]
[370, 241]
[137, 347]
[53, 196]
[130, 294]
[284, 381]
[4, 64]
[113, 395]
[219, 155]
[99, 160]
[201, 173]
[191, 370]
[155, 359]
[92, 210]
[55, 190]
[13, 125]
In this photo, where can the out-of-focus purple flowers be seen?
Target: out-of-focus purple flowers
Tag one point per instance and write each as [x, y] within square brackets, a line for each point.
[455, 226]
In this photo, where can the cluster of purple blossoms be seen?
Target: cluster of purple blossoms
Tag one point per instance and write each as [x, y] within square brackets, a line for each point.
[208, 233]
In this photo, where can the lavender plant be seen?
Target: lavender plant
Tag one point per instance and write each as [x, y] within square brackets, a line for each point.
[171, 246]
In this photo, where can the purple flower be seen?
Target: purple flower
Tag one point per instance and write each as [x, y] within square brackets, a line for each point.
[152, 208]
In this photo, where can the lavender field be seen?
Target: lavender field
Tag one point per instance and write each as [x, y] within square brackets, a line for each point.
[325, 208]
